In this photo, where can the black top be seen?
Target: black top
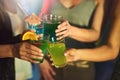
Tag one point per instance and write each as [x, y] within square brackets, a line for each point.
[7, 68]
[116, 73]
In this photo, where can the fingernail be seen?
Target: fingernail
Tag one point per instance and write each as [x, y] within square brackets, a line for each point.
[40, 50]
[42, 55]
[51, 59]
[52, 64]
[65, 54]
[37, 62]
[56, 30]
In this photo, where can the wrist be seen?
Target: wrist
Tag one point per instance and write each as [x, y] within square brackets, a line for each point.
[72, 30]
[15, 51]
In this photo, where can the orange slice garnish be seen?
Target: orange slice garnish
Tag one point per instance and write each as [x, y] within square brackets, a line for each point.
[29, 35]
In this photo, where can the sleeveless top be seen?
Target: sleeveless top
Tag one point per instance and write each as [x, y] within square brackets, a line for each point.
[7, 67]
[79, 16]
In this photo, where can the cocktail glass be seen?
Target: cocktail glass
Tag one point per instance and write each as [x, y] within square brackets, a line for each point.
[41, 43]
[50, 23]
[56, 50]
[33, 22]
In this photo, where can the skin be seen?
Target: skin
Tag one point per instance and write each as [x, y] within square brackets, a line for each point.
[69, 30]
[22, 50]
[46, 70]
[105, 52]
[45, 8]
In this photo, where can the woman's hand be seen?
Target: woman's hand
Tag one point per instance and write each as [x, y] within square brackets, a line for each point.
[46, 70]
[27, 52]
[71, 55]
[64, 30]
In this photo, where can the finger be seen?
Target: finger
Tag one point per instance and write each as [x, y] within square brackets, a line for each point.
[24, 58]
[66, 54]
[34, 61]
[52, 64]
[51, 59]
[62, 28]
[28, 56]
[32, 52]
[52, 72]
[48, 55]
[28, 59]
[63, 24]
[22, 52]
[32, 47]
[61, 37]
[69, 57]
[61, 33]
[69, 53]
[35, 57]
[32, 56]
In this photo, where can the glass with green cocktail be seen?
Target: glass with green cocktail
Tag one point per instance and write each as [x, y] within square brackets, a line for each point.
[50, 23]
[42, 43]
[56, 50]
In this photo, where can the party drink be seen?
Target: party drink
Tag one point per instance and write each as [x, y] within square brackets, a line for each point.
[50, 23]
[42, 44]
[56, 50]
[33, 22]
[50, 28]
[32, 27]
[37, 39]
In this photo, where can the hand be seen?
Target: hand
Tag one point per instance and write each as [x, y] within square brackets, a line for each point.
[46, 70]
[64, 30]
[51, 60]
[27, 52]
[71, 55]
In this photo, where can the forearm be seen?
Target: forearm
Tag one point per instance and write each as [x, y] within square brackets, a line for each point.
[85, 35]
[5, 51]
[102, 53]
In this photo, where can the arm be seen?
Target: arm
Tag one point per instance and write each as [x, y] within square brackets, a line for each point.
[46, 70]
[103, 53]
[81, 34]
[45, 8]
[106, 52]
[5, 49]
[22, 50]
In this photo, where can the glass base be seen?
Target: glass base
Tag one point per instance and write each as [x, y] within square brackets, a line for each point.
[60, 66]
[39, 60]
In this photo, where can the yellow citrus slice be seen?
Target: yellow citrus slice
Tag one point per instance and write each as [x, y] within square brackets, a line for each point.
[29, 35]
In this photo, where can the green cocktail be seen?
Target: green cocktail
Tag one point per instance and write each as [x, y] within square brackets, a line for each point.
[50, 29]
[43, 45]
[51, 22]
[56, 50]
